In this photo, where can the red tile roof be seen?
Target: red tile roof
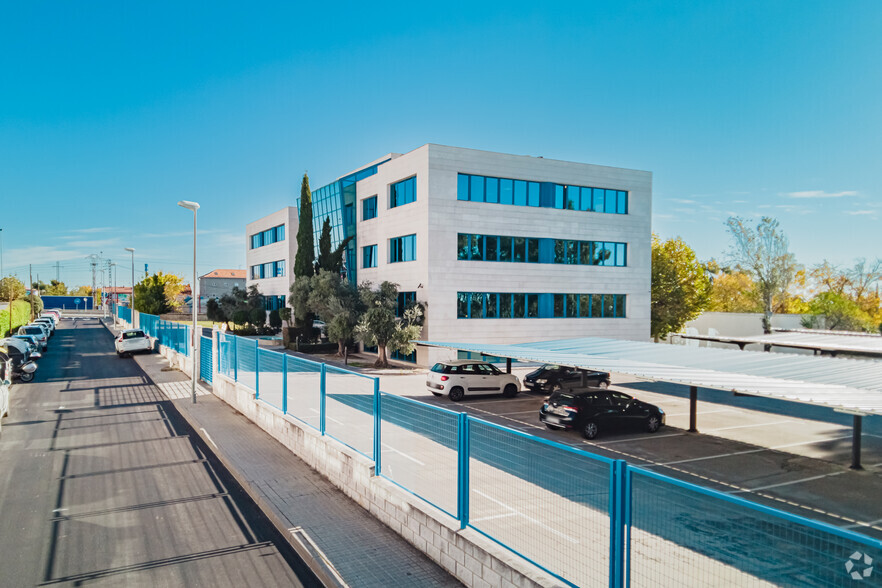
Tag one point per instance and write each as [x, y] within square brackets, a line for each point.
[226, 273]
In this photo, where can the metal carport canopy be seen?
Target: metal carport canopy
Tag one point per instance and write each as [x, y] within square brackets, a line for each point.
[824, 341]
[849, 385]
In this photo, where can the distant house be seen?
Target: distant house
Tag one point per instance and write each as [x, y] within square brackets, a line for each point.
[219, 282]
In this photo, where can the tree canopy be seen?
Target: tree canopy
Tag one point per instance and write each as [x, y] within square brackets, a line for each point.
[680, 286]
[304, 260]
[330, 260]
[157, 294]
[763, 252]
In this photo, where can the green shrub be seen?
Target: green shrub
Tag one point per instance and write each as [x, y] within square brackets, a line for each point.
[21, 315]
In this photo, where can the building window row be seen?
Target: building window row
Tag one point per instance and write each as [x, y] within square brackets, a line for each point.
[540, 194]
[403, 192]
[272, 269]
[268, 237]
[402, 249]
[517, 305]
[540, 250]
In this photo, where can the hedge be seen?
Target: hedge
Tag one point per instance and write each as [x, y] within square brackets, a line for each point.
[21, 315]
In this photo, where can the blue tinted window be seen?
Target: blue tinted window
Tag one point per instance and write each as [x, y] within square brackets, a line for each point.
[403, 192]
[369, 208]
[558, 196]
[573, 197]
[476, 191]
[610, 202]
[533, 194]
[622, 203]
[402, 249]
[462, 187]
[585, 199]
[518, 306]
[492, 190]
[506, 191]
[369, 256]
[280, 233]
[598, 199]
[520, 193]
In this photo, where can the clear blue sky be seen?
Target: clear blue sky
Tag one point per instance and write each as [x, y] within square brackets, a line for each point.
[112, 112]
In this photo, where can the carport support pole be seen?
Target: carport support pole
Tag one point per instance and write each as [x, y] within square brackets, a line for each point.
[508, 365]
[693, 408]
[856, 443]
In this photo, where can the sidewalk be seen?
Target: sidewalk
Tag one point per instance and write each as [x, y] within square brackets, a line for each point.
[355, 547]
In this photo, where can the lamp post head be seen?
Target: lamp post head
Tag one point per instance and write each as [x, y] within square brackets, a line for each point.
[189, 205]
[130, 249]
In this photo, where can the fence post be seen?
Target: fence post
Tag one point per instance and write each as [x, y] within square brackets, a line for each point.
[322, 403]
[377, 422]
[463, 475]
[256, 369]
[616, 523]
[284, 383]
[235, 358]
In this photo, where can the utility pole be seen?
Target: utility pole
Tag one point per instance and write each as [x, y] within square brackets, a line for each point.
[93, 263]
[31, 288]
[57, 271]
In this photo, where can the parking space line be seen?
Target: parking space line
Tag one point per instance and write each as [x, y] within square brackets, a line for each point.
[690, 460]
[521, 412]
[870, 524]
[800, 481]
[701, 412]
[642, 438]
[517, 512]
[404, 455]
[749, 426]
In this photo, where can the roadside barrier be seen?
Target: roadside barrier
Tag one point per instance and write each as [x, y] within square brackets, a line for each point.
[584, 518]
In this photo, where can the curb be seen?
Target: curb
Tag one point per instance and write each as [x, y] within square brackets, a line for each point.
[320, 572]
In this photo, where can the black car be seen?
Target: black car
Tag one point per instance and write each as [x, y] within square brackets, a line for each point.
[592, 410]
[549, 378]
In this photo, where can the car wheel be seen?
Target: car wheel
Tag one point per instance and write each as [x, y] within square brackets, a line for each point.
[26, 377]
[510, 391]
[653, 423]
[603, 384]
[589, 430]
[456, 393]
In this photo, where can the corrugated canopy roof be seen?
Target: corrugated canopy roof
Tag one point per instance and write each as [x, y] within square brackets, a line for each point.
[847, 384]
[803, 340]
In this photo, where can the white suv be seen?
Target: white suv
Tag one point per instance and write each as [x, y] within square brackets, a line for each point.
[132, 340]
[455, 378]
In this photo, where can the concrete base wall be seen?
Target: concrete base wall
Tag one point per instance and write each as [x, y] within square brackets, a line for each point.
[465, 553]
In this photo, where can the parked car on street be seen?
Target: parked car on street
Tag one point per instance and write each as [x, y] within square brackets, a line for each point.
[5, 383]
[456, 378]
[131, 341]
[549, 378]
[20, 355]
[38, 331]
[33, 345]
[46, 321]
[54, 313]
[592, 410]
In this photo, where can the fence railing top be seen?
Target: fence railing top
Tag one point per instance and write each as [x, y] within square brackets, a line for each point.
[421, 403]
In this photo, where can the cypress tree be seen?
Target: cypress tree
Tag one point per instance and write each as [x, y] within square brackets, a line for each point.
[305, 258]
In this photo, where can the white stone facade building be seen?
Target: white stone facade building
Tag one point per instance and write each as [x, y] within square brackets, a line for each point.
[498, 248]
[271, 243]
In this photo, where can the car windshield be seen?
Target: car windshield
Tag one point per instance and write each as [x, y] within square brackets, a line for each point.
[132, 334]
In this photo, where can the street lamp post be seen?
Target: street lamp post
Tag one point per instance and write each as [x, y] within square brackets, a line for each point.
[194, 300]
[132, 299]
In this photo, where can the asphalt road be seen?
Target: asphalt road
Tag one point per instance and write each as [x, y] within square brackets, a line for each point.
[104, 485]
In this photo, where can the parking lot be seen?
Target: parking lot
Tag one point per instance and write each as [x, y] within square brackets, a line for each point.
[791, 456]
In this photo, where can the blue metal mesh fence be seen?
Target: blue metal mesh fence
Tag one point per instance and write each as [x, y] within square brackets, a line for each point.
[246, 362]
[226, 355]
[419, 445]
[206, 359]
[124, 314]
[545, 501]
[349, 405]
[686, 535]
[304, 390]
[271, 384]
